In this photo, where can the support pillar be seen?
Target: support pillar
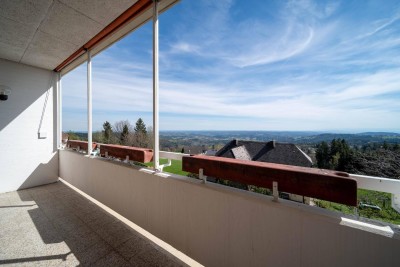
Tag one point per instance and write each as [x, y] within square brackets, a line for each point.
[156, 157]
[89, 101]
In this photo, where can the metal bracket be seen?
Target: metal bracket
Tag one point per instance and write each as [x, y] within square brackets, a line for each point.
[94, 153]
[202, 176]
[161, 167]
[275, 192]
[396, 202]
[356, 213]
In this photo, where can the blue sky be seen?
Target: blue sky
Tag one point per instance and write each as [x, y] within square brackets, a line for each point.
[252, 65]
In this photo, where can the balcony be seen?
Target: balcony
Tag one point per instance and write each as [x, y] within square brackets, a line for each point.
[104, 212]
[222, 226]
[64, 207]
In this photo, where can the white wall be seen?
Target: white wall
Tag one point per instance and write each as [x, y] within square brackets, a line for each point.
[221, 226]
[26, 160]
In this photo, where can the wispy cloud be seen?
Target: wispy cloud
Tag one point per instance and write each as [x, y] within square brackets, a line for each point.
[297, 65]
[183, 47]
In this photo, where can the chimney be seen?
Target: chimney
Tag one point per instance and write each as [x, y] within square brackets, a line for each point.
[273, 143]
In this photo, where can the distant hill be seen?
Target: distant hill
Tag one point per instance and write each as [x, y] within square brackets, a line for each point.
[189, 138]
[358, 139]
[379, 134]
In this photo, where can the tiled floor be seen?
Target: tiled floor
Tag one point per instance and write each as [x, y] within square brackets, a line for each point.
[53, 225]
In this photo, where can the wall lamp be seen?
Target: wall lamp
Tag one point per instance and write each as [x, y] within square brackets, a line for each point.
[4, 92]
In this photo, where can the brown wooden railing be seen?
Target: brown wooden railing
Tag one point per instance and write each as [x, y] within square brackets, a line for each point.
[80, 145]
[138, 154]
[317, 183]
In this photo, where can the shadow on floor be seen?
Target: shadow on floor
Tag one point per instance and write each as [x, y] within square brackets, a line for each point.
[53, 225]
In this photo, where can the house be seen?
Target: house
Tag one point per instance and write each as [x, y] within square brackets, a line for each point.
[194, 150]
[211, 152]
[273, 152]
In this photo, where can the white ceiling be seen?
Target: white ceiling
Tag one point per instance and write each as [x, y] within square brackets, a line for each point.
[43, 33]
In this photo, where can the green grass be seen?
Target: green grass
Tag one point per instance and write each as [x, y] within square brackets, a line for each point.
[383, 200]
[176, 166]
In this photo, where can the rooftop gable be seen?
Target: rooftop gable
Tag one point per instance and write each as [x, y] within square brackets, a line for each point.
[272, 151]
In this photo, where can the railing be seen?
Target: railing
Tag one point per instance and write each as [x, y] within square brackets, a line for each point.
[386, 185]
[127, 153]
[79, 145]
[316, 183]
[380, 184]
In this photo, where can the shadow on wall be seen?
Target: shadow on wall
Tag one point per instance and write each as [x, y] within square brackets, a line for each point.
[43, 174]
[27, 85]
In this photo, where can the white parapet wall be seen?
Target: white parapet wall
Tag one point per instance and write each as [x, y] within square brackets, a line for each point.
[28, 152]
[222, 226]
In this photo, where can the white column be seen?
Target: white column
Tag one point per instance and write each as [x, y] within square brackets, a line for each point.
[89, 100]
[59, 110]
[156, 158]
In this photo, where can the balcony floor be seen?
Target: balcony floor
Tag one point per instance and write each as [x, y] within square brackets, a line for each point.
[54, 225]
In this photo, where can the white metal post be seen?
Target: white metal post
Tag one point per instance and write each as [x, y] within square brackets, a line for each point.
[59, 111]
[156, 157]
[89, 101]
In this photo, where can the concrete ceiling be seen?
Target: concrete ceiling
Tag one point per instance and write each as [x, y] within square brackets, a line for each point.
[43, 33]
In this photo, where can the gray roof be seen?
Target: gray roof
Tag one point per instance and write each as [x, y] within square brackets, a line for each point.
[272, 151]
[194, 150]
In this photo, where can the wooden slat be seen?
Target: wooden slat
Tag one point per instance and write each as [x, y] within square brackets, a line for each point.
[83, 145]
[322, 184]
[134, 153]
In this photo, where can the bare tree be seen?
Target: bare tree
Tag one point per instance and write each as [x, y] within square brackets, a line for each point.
[119, 126]
[123, 130]
[150, 137]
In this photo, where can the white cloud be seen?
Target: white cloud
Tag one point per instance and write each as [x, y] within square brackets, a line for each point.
[183, 47]
[297, 73]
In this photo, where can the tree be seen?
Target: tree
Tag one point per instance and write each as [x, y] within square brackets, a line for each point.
[396, 147]
[141, 138]
[337, 156]
[385, 145]
[323, 156]
[345, 156]
[150, 137]
[140, 127]
[107, 132]
[98, 137]
[123, 131]
[124, 135]
[73, 136]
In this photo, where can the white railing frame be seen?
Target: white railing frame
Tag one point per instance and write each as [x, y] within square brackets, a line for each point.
[386, 185]
[170, 156]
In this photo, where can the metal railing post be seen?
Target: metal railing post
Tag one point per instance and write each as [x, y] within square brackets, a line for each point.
[59, 111]
[156, 157]
[89, 101]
